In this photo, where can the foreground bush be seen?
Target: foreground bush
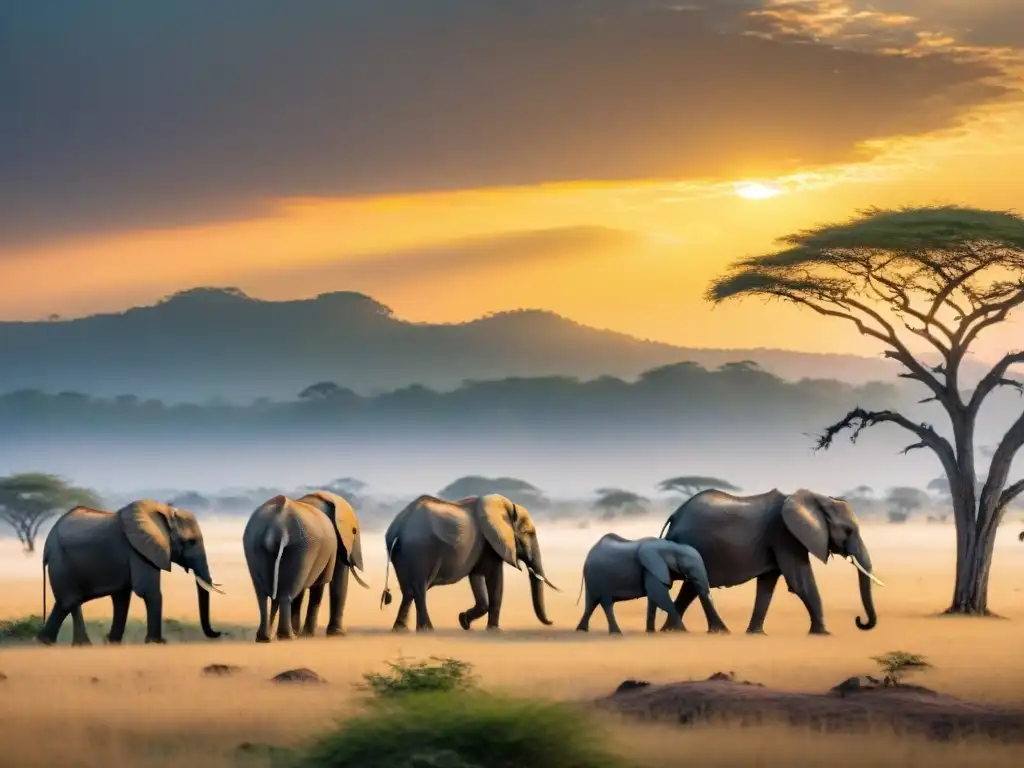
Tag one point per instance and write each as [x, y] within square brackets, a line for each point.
[421, 677]
[463, 730]
[20, 630]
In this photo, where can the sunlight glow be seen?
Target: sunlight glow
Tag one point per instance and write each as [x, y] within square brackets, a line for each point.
[755, 190]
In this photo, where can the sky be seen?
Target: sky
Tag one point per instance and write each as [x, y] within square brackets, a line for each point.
[453, 158]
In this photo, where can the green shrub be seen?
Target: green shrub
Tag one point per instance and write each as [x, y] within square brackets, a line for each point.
[421, 677]
[463, 729]
[896, 664]
[20, 630]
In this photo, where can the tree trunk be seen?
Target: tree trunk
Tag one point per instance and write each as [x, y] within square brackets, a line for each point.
[974, 562]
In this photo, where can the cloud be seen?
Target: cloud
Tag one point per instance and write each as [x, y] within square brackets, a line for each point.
[503, 250]
[143, 115]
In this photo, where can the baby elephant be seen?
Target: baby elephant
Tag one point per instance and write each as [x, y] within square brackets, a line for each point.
[622, 569]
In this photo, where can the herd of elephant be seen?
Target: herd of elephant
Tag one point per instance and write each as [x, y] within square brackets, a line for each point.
[306, 545]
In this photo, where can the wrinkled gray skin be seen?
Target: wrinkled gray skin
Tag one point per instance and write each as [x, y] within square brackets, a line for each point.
[766, 536]
[618, 569]
[433, 542]
[296, 545]
[91, 553]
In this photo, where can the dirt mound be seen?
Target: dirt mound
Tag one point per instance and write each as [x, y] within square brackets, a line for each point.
[301, 675]
[858, 703]
[220, 670]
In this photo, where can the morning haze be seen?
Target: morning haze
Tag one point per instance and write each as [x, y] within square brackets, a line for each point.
[262, 262]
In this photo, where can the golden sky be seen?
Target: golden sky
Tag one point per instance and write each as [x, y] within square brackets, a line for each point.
[592, 171]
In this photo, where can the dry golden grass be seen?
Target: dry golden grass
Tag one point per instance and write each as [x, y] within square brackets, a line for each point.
[145, 698]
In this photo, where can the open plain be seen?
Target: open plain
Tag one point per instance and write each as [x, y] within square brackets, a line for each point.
[151, 705]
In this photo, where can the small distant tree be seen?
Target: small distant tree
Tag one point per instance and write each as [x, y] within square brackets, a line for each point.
[322, 390]
[896, 664]
[518, 491]
[689, 485]
[945, 274]
[29, 500]
[614, 500]
[904, 500]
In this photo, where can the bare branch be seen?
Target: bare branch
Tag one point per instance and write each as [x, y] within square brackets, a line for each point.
[859, 419]
[913, 447]
[994, 378]
[986, 316]
[1010, 493]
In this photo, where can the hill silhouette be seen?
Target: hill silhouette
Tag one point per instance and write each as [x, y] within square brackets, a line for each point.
[219, 342]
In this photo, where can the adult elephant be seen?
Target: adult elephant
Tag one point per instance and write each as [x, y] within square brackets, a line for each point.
[433, 542]
[771, 534]
[294, 545]
[349, 561]
[91, 553]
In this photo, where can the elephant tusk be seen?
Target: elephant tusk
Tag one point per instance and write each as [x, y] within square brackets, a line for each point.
[359, 581]
[209, 587]
[856, 564]
[543, 579]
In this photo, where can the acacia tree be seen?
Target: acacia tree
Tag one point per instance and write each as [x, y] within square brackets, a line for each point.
[942, 274]
[694, 484]
[28, 500]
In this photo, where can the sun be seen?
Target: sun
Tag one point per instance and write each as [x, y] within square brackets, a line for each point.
[755, 190]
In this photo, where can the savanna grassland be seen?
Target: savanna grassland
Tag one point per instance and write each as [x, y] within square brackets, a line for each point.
[151, 706]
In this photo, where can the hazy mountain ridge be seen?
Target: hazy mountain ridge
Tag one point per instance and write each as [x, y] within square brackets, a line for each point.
[207, 342]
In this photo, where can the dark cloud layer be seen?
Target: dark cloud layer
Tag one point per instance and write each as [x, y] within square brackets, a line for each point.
[501, 250]
[117, 114]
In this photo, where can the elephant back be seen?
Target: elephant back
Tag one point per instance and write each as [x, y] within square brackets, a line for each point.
[340, 512]
[77, 525]
[413, 508]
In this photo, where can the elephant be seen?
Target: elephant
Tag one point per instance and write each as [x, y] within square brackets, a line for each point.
[434, 542]
[768, 535]
[92, 553]
[619, 569]
[296, 545]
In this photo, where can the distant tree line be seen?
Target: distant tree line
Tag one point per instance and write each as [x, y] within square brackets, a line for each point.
[681, 393]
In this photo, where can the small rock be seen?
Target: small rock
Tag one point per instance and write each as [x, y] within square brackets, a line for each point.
[857, 683]
[631, 685]
[301, 675]
[220, 670]
[94, 680]
[2, 677]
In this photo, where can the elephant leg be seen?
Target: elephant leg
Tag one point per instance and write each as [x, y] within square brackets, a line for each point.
[48, 634]
[297, 602]
[687, 594]
[588, 611]
[338, 595]
[609, 614]
[284, 623]
[765, 590]
[402, 617]
[316, 596]
[154, 601]
[715, 624]
[80, 636]
[658, 594]
[423, 622]
[495, 581]
[652, 614]
[478, 584]
[796, 569]
[263, 631]
[121, 600]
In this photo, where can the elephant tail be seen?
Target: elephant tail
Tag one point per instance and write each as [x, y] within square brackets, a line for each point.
[385, 596]
[277, 563]
[45, 560]
[580, 595]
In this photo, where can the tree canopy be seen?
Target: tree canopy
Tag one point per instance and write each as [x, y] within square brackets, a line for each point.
[940, 275]
[692, 484]
[30, 499]
[514, 489]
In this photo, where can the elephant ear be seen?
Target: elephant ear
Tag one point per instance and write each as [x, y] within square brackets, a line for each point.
[147, 524]
[344, 518]
[492, 512]
[654, 563]
[805, 519]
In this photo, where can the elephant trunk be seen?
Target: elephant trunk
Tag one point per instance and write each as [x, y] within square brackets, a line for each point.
[859, 553]
[201, 570]
[537, 582]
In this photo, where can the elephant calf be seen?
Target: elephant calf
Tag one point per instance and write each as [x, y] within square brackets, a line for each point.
[619, 569]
